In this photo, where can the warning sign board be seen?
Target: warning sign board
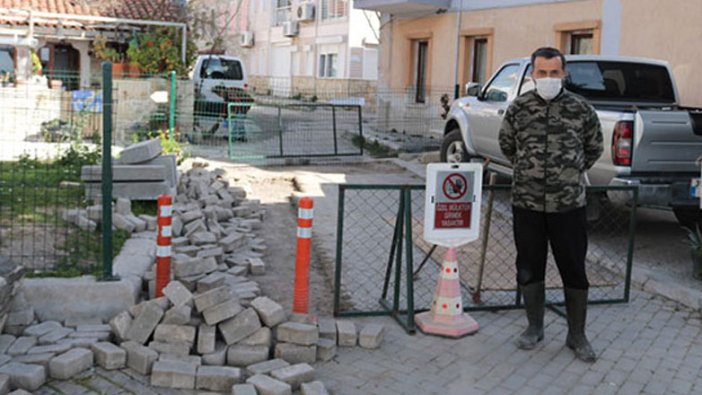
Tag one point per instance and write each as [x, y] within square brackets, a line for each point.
[452, 209]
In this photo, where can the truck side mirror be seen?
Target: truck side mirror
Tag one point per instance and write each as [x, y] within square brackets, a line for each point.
[473, 89]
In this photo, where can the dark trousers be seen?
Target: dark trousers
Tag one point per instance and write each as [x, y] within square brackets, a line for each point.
[567, 234]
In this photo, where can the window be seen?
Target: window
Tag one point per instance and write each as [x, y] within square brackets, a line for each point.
[327, 65]
[578, 38]
[221, 69]
[502, 84]
[480, 59]
[421, 50]
[282, 11]
[7, 63]
[476, 58]
[580, 43]
[333, 9]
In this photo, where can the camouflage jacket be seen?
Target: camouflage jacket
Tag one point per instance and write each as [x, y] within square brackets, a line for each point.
[551, 145]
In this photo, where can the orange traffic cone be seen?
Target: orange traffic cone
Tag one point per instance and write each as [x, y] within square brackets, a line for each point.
[446, 317]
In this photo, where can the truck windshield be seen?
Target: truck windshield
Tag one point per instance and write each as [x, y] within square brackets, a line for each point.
[221, 69]
[620, 81]
[615, 81]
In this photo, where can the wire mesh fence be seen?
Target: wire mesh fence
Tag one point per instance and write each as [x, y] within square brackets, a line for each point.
[385, 267]
[48, 132]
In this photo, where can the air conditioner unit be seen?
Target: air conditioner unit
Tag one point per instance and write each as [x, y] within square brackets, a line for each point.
[246, 39]
[290, 28]
[305, 12]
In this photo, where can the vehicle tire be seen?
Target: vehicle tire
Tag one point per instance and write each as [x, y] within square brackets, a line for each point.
[453, 150]
[688, 217]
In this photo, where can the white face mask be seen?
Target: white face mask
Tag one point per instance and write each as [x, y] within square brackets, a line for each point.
[548, 88]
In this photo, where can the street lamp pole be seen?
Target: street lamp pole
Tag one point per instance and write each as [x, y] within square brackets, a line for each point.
[456, 88]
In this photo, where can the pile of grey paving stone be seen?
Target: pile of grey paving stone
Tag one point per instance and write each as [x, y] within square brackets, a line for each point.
[211, 330]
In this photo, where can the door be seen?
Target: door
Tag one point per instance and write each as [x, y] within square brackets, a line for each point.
[281, 83]
[485, 117]
[66, 66]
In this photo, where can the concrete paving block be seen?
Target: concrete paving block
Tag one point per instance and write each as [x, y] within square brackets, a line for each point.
[262, 337]
[74, 322]
[179, 315]
[4, 358]
[42, 329]
[21, 317]
[139, 357]
[70, 363]
[191, 216]
[221, 312]
[21, 345]
[327, 328]
[151, 222]
[24, 376]
[244, 389]
[93, 328]
[139, 224]
[232, 242]
[177, 226]
[122, 205]
[55, 335]
[297, 333]
[313, 388]
[193, 227]
[211, 281]
[242, 356]
[346, 333]
[270, 312]
[20, 392]
[212, 298]
[192, 359]
[169, 165]
[326, 350]
[217, 378]
[206, 336]
[295, 353]
[194, 267]
[211, 252]
[94, 212]
[266, 367]
[51, 348]
[177, 293]
[202, 238]
[238, 270]
[175, 333]
[145, 323]
[109, 356]
[294, 374]
[121, 222]
[173, 374]
[179, 241]
[143, 190]
[371, 336]
[42, 359]
[179, 349]
[140, 152]
[218, 357]
[4, 384]
[5, 342]
[191, 282]
[257, 268]
[100, 336]
[240, 327]
[269, 386]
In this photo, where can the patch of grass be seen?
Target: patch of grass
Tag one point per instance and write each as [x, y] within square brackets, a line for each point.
[147, 207]
[375, 149]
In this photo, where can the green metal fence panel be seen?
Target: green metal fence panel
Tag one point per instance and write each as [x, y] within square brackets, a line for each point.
[376, 221]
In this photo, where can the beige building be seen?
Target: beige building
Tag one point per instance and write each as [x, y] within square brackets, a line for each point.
[427, 46]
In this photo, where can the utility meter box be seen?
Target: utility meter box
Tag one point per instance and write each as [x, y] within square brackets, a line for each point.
[452, 205]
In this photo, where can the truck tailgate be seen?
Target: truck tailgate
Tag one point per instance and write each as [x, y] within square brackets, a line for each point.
[665, 142]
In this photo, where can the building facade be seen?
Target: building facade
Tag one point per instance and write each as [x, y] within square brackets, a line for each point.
[429, 47]
[319, 48]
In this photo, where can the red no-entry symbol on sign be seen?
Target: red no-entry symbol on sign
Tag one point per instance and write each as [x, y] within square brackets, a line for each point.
[455, 186]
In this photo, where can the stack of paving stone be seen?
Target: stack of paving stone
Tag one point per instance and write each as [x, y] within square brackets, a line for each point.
[10, 276]
[141, 173]
[90, 218]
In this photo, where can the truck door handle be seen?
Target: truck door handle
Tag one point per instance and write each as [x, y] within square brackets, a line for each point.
[500, 111]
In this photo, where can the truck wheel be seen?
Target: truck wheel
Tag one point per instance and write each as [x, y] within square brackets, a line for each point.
[453, 150]
[689, 217]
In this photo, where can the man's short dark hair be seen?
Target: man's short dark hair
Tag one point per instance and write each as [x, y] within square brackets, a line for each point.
[548, 53]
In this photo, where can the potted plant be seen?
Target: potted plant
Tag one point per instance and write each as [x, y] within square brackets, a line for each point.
[103, 52]
[694, 239]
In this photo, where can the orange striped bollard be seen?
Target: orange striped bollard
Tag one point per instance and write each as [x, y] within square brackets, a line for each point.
[302, 259]
[163, 243]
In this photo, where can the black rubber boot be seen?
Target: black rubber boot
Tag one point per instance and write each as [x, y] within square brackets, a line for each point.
[533, 295]
[576, 308]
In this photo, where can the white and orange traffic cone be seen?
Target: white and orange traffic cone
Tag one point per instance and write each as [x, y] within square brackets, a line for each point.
[446, 317]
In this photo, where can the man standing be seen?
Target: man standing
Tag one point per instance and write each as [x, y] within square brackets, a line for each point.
[552, 137]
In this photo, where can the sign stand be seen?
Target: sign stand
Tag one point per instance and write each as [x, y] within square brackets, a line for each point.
[452, 219]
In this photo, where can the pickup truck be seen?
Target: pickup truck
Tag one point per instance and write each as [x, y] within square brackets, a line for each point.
[651, 141]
